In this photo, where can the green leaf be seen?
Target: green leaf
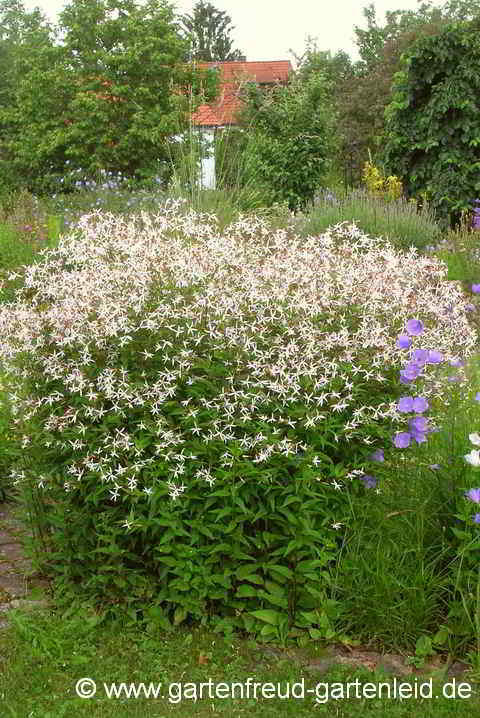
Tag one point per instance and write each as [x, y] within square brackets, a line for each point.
[179, 615]
[274, 587]
[309, 616]
[245, 591]
[441, 636]
[275, 599]
[311, 565]
[268, 631]
[423, 646]
[268, 616]
[254, 578]
[291, 546]
[245, 570]
[461, 534]
[167, 560]
[279, 569]
[290, 516]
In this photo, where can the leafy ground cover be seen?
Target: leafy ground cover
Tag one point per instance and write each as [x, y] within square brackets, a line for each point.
[403, 574]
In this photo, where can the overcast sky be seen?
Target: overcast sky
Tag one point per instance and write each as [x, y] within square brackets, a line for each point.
[268, 29]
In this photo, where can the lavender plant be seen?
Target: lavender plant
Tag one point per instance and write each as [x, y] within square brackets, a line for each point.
[398, 220]
[167, 381]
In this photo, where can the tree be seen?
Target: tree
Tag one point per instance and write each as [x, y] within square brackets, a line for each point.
[432, 129]
[208, 31]
[336, 68]
[109, 97]
[370, 42]
[362, 98]
[340, 73]
[20, 31]
[22, 36]
[290, 139]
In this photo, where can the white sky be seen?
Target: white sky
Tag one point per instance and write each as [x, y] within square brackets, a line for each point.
[269, 29]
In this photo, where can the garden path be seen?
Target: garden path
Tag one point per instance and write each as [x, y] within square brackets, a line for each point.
[19, 586]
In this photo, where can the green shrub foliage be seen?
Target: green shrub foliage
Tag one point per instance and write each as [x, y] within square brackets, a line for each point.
[432, 137]
[185, 411]
[291, 139]
[111, 97]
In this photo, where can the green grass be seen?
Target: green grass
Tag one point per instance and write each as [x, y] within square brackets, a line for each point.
[397, 578]
[43, 655]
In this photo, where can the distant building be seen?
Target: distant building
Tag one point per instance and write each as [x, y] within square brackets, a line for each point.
[223, 110]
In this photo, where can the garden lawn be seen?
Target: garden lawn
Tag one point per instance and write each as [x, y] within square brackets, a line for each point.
[42, 657]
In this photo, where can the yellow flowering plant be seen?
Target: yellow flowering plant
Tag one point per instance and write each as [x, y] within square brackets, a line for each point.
[387, 188]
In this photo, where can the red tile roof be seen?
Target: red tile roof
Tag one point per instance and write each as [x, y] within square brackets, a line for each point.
[223, 110]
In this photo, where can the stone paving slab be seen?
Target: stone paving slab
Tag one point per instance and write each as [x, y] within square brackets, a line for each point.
[392, 664]
[12, 586]
[11, 552]
[16, 579]
[5, 538]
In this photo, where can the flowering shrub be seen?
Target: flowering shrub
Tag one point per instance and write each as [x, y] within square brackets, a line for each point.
[387, 188]
[193, 408]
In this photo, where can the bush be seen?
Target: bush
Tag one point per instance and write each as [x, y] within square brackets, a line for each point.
[290, 139]
[387, 188]
[431, 125]
[168, 379]
[396, 220]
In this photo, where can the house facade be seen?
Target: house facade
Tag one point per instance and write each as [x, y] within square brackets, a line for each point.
[222, 112]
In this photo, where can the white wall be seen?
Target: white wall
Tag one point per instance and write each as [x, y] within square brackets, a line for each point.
[207, 179]
[206, 176]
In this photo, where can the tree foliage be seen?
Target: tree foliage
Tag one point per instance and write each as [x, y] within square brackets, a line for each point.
[432, 132]
[371, 42]
[290, 140]
[21, 32]
[208, 31]
[337, 68]
[363, 99]
[108, 97]
[362, 96]
[341, 75]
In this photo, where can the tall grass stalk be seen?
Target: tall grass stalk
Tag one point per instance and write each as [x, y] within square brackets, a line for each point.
[236, 189]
